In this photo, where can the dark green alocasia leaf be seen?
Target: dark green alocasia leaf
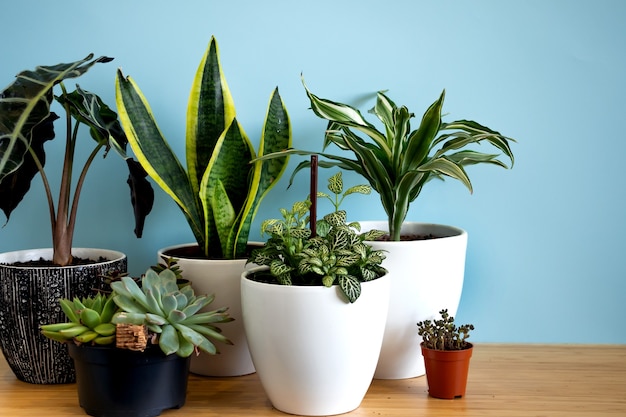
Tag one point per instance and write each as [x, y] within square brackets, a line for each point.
[15, 185]
[26, 103]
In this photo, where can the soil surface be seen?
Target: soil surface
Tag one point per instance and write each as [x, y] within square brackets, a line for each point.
[404, 238]
[47, 262]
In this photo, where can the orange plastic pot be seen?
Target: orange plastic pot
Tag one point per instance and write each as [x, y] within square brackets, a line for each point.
[446, 371]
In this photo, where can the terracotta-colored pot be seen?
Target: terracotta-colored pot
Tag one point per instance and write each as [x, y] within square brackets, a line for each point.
[446, 371]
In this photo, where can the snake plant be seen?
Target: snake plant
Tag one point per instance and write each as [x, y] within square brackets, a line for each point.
[220, 191]
[27, 123]
[399, 161]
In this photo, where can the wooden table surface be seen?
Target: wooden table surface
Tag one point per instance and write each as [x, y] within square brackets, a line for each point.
[504, 380]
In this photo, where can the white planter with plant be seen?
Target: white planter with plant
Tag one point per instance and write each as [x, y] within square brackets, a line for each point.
[314, 353]
[428, 273]
[315, 312]
[397, 163]
[27, 122]
[220, 190]
[233, 359]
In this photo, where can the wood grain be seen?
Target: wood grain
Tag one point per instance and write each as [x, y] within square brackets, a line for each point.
[504, 380]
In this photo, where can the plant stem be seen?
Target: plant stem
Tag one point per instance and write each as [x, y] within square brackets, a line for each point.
[313, 197]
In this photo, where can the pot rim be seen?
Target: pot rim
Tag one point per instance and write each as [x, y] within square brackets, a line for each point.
[6, 258]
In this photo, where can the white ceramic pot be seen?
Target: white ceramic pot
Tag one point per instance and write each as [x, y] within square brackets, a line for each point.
[427, 276]
[29, 298]
[221, 277]
[314, 352]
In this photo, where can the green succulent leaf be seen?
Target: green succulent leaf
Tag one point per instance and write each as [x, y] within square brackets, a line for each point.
[185, 347]
[155, 319]
[129, 317]
[168, 339]
[68, 309]
[129, 305]
[90, 318]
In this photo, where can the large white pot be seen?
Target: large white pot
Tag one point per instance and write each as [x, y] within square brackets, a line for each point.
[221, 277]
[29, 298]
[427, 277]
[314, 352]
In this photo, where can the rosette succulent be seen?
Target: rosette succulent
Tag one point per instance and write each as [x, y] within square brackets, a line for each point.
[173, 314]
[90, 321]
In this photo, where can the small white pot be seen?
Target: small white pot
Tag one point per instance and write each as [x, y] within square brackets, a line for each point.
[221, 277]
[427, 277]
[314, 352]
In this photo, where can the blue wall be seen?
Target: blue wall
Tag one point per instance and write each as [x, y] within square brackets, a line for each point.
[545, 259]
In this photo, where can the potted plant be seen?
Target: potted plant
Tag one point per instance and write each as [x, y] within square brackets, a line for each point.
[446, 354]
[219, 192]
[398, 162]
[314, 311]
[41, 276]
[131, 348]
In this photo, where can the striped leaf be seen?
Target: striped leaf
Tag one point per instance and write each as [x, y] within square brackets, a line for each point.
[153, 152]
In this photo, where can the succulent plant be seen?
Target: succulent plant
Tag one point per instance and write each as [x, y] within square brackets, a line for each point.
[173, 314]
[443, 334]
[90, 321]
[337, 254]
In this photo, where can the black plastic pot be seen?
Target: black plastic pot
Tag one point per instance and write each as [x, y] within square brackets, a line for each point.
[115, 382]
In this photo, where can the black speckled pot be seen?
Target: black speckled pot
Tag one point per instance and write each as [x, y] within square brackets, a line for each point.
[29, 298]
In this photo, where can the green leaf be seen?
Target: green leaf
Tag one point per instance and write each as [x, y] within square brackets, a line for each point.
[276, 137]
[421, 140]
[68, 308]
[153, 152]
[25, 104]
[350, 287]
[168, 340]
[210, 111]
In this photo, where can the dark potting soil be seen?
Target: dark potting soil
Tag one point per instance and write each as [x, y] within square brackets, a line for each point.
[404, 238]
[41, 262]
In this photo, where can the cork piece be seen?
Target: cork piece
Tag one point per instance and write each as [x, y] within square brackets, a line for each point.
[131, 336]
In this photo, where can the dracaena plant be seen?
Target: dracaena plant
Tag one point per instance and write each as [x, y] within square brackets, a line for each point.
[27, 122]
[336, 254]
[398, 161]
[220, 190]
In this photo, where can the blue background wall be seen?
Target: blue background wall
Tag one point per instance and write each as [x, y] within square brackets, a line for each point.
[545, 258]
